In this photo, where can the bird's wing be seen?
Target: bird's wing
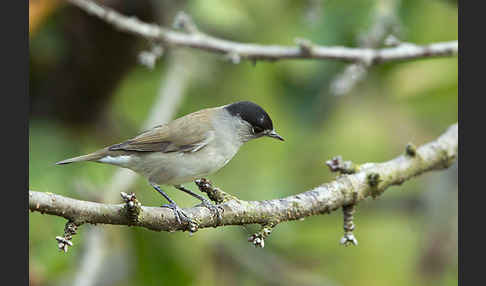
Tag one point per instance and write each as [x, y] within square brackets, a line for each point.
[186, 134]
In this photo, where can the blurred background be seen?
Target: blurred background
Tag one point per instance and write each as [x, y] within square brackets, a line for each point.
[88, 89]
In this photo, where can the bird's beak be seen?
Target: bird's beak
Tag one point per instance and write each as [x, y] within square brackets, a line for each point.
[275, 135]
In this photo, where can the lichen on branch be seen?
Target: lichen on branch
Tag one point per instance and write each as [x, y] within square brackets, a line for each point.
[372, 179]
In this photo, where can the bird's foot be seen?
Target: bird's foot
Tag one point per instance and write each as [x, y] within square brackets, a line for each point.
[180, 215]
[215, 209]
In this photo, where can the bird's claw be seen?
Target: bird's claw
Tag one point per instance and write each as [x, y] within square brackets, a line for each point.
[180, 215]
[216, 209]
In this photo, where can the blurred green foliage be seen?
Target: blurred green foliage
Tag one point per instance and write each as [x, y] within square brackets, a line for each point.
[395, 104]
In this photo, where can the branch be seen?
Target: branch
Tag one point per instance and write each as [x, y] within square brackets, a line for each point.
[372, 179]
[193, 38]
[385, 24]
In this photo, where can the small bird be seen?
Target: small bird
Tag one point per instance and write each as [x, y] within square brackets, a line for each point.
[193, 146]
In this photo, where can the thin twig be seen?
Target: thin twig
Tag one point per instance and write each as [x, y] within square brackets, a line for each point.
[385, 23]
[237, 51]
[348, 238]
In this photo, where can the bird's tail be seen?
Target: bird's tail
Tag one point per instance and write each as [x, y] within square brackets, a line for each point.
[89, 157]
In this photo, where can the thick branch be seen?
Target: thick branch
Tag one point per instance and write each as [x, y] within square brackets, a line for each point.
[372, 179]
[303, 50]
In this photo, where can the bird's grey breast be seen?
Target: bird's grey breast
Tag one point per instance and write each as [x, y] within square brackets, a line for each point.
[220, 145]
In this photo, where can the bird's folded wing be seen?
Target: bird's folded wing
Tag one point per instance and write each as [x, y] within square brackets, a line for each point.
[177, 136]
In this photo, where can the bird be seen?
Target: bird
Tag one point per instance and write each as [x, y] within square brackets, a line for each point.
[190, 147]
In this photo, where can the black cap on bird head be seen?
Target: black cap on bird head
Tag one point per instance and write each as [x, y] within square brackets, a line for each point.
[256, 116]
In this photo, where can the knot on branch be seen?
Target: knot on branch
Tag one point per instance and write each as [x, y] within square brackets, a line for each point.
[373, 180]
[183, 21]
[336, 164]
[192, 227]
[305, 46]
[214, 194]
[411, 150]
[233, 57]
[148, 58]
[258, 238]
[132, 206]
[348, 238]
[392, 41]
[65, 241]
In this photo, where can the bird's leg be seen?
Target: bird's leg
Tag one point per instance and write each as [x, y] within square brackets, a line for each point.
[179, 214]
[205, 202]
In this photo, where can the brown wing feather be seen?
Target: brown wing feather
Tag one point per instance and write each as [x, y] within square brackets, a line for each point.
[186, 134]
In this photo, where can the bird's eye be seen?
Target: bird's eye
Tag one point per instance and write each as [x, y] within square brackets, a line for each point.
[257, 129]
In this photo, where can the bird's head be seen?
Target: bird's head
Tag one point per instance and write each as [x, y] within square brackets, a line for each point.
[254, 121]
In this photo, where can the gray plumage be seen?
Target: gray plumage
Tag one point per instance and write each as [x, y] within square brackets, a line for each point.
[190, 147]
